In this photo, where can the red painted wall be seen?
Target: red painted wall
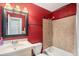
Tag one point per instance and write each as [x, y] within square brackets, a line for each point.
[36, 15]
[65, 11]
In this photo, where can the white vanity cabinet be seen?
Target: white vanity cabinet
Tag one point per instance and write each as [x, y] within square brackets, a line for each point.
[22, 48]
[26, 51]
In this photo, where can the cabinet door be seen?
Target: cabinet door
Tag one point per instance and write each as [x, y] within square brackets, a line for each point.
[25, 52]
[47, 33]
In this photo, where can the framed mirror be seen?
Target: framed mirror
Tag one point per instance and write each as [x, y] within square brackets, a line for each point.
[15, 23]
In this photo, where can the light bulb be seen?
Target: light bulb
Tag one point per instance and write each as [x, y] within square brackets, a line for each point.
[8, 6]
[17, 8]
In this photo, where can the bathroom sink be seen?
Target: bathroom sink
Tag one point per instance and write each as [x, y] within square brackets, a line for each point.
[11, 48]
[21, 45]
[6, 49]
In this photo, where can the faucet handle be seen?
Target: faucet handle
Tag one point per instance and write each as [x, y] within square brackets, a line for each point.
[14, 41]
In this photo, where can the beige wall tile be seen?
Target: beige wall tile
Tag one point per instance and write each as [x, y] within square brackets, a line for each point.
[63, 33]
[47, 33]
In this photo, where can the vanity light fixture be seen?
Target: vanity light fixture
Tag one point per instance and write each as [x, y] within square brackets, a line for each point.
[8, 6]
[16, 8]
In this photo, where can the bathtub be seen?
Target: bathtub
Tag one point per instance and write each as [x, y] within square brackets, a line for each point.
[53, 51]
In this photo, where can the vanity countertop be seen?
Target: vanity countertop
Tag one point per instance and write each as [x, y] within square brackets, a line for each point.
[10, 48]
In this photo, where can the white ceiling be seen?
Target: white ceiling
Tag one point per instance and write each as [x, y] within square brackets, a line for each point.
[51, 6]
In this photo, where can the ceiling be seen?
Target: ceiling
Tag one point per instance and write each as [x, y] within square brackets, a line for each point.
[51, 6]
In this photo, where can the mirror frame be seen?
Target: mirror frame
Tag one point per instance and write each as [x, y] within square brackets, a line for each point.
[5, 22]
[0, 21]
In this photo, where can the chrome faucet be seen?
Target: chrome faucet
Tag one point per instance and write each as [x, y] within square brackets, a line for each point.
[14, 42]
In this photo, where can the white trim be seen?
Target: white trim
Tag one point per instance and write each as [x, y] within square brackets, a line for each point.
[77, 29]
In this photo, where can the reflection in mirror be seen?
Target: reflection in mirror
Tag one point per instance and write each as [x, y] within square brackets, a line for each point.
[14, 25]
